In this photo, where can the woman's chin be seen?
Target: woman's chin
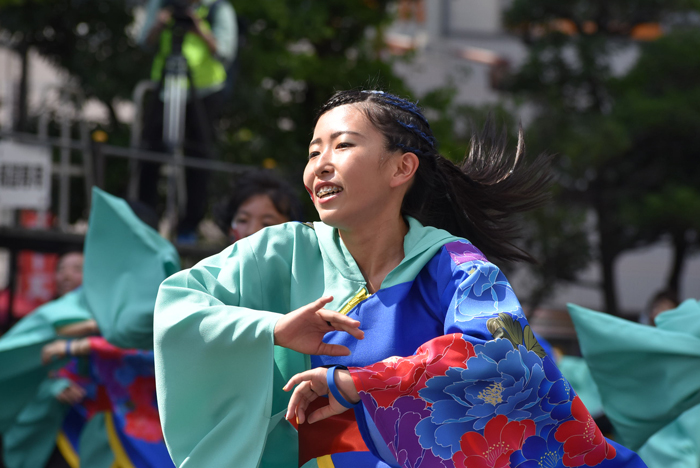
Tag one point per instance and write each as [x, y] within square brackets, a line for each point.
[332, 218]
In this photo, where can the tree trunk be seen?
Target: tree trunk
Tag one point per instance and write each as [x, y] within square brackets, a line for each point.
[607, 265]
[680, 248]
[23, 95]
[608, 254]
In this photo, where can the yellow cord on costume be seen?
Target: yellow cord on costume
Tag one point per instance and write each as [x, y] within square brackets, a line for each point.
[121, 459]
[361, 295]
[67, 451]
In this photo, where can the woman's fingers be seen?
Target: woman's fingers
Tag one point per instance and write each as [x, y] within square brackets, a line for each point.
[52, 350]
[297, 379]
[342, 322]
[322, 413]
[301, 398]
[319, 303]
[326, 349]
[72, 395]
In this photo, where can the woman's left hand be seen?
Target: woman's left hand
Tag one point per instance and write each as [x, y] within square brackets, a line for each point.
[53, 351]
[312, 384]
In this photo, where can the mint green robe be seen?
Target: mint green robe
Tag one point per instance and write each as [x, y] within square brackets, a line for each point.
[125, 261]
[648, 377]
[219, 376]
[21, 370]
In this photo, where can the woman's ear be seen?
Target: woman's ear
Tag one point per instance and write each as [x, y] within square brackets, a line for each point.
[405, 166]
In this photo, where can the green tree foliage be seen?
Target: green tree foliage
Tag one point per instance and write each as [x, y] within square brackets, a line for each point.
[294, 56]
[88, 39]
[610, 133]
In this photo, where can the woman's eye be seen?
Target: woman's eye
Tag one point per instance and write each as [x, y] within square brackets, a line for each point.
[344, 145]
[313, 154]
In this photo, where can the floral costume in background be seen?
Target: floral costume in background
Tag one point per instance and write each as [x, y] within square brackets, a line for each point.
[125, 261]
[449, 372]
[120, 384]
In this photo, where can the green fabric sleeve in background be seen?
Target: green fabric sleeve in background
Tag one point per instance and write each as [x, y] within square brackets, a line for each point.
[29, 441]
[646, 376]
[21, 370]
[125, 262]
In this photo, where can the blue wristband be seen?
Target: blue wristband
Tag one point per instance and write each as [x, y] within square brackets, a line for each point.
[330, 378]
[68, 342]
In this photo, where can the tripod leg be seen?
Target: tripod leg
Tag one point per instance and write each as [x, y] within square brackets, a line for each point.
[175, 101]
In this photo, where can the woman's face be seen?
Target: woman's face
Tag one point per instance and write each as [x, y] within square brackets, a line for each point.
[69, 273]
[254, 214]
[346, 174]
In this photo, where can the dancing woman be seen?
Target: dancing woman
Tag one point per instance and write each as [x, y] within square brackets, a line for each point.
[384, 307]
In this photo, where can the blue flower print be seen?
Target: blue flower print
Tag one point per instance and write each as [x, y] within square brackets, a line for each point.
[542, 451]
[484, 293]
[499, 380]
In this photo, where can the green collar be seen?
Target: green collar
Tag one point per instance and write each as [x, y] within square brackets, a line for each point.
[420, 245]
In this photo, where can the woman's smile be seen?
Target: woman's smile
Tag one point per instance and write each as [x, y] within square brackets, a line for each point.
[345, 176]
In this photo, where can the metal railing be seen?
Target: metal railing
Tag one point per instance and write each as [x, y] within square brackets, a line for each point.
[93, 154]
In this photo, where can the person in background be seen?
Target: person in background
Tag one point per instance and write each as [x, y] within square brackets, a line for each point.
[209, 46]
[68, 277]
[259, 199]
[69, 272]
[661, 302]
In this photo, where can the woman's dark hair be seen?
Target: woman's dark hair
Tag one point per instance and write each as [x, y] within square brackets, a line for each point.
[263, 182]
[474, 199]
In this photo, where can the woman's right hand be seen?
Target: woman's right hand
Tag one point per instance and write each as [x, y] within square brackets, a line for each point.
[303, 329]
[71, 395]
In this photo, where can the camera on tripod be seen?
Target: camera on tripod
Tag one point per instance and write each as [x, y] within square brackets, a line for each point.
[180, 10]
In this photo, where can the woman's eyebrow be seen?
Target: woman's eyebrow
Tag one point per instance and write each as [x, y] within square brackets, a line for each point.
[334, 136]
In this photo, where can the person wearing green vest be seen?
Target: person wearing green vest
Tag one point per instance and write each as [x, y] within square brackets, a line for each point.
[209, 45]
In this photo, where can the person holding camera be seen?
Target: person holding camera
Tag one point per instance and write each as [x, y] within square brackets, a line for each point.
[205, 32]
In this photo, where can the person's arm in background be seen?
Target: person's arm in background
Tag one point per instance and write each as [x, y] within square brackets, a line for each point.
[224, 28]
[84, 328]
[156, 19]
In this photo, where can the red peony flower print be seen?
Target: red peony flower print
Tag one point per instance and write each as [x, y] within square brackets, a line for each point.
[584, 444]
[143, 421]
[492, 450]
[394, 377]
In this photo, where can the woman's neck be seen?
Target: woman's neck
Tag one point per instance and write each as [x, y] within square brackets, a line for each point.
[377, 248]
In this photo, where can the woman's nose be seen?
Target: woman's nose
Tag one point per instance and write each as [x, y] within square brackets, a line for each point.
[323, 163]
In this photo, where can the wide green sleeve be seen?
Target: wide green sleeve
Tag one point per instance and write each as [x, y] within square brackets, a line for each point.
[31, 439]
[21, 369]
[125, 262]
[218, 374]
[677, 445]
[646, 376]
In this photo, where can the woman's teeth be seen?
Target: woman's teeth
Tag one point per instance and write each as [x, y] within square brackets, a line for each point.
[327, 190]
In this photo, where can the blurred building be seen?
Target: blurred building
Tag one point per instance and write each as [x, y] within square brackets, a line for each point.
[464, 42]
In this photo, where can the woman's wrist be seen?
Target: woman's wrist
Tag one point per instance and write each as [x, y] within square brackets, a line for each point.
[346, 386]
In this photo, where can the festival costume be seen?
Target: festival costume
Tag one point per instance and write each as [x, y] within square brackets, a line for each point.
[120, 385]
[125, 261]
[576, 372]
[648, 380]
[30, 415]
[436, 388]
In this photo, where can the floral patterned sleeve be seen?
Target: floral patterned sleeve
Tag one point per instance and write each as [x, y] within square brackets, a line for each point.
[485, 394]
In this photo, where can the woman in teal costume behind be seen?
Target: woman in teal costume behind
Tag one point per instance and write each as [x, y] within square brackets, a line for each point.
[383, 307]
